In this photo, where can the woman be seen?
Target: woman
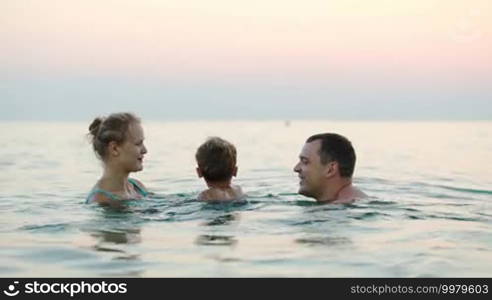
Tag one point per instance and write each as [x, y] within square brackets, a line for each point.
[118, 141]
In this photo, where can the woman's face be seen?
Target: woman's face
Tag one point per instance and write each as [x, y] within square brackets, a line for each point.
[132, 151]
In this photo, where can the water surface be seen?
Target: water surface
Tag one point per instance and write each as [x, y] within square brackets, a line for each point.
[429, 213]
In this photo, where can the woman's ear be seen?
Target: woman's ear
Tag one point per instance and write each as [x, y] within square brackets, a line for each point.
[113, 149]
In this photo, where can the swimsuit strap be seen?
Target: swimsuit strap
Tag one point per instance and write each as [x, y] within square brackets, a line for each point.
[104, 192]
[138, 187]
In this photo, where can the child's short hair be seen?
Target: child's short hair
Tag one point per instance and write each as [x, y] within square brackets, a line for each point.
[216, 159]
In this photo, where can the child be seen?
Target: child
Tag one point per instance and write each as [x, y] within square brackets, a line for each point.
[216, 159]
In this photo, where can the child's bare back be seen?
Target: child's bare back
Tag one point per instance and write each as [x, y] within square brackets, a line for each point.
[214, 194]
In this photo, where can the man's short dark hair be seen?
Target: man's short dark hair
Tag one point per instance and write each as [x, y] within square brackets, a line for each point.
[216, 159]
[335, 147]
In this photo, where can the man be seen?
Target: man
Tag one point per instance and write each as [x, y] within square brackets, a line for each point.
[326, 165]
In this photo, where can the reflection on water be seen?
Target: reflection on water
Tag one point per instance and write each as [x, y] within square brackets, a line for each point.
[114, 229]
[324, 241]
[115, 241]
[215, 236]
[215, 240]
[133, 274]
[116, 236]
[124, 236]
[223, 220]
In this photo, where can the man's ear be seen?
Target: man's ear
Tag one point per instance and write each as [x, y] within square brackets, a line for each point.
[199, 172]
[113, 149]
[331, 169]
[234, 171]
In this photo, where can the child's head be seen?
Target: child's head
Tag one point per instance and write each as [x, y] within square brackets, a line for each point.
[216, 159]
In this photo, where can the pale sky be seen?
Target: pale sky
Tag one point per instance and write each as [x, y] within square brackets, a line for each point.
[246, 59]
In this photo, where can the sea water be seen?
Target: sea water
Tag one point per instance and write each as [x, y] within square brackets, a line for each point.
[428, 215]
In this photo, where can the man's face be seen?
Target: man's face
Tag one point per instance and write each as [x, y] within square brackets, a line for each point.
[312, 174]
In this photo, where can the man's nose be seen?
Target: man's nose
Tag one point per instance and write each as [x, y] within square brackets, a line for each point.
[296, 168]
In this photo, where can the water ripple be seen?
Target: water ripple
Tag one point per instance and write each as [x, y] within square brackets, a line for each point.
[466, 190]
[47, 227]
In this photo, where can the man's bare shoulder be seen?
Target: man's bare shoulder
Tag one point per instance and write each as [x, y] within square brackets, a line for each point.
[350, 195]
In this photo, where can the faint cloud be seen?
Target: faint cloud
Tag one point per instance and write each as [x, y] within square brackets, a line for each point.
[466, 29]
[418, 7]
